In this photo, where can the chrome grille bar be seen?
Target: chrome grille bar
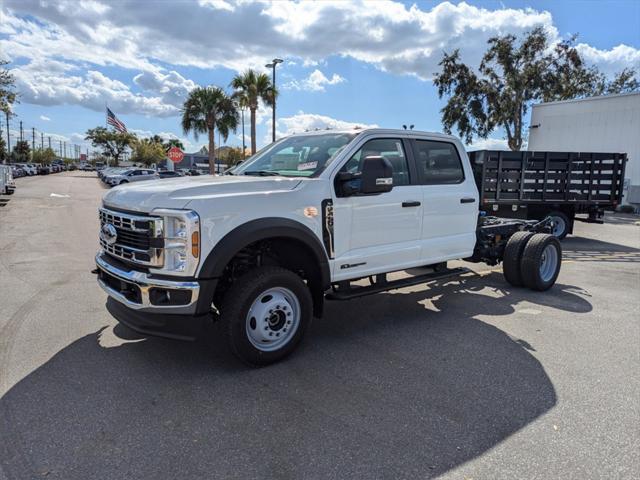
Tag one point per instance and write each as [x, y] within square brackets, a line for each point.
[134, 232]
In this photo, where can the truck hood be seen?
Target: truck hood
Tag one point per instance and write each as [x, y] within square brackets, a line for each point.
[178, 192]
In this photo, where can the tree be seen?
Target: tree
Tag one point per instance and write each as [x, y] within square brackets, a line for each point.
[167, 143]
[21, 151]
[112, 143]
[7, 97]
[251, 87]
[173, 142]
[206, 109]
[230, 155]
[7, 86]
[512, 75]
[148, 151]
[3, 153]
[46, 155]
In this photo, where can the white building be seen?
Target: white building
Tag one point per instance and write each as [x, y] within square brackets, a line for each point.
[608, 124]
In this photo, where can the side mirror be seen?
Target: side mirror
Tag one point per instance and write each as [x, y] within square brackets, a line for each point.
[376, 176]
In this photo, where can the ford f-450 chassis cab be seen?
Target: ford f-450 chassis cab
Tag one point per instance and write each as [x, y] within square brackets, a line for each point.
[261, 247]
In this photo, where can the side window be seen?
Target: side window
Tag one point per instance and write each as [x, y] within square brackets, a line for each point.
[389, 148]
[438, 163]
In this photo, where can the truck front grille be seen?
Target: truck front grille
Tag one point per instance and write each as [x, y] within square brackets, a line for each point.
[139, 239]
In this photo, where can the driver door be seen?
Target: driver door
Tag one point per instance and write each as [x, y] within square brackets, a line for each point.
[382, 232]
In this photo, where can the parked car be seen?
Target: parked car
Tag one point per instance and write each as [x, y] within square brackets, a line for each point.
[44, 170]
[28, 168]
[304, 220]
[169, 174]
[111, 171]
[17, 171]
[130, 175]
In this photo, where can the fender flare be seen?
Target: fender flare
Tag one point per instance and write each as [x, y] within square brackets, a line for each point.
[251, 232]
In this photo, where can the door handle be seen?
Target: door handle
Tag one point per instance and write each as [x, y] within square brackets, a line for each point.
[467, 200]
[410, 204]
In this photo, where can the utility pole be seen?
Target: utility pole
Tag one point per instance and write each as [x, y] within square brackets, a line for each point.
[60, 142]
[21, 132]
[41, 141]
[6, 113]
[65, 150]
[33, 141]
[49, 142]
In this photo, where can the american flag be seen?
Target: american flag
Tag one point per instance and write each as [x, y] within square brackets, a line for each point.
[114, 122]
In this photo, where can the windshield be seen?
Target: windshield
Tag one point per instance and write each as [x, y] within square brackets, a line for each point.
[296, 156]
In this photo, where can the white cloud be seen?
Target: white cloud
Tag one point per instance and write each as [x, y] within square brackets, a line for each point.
[302, 122]
[315, 82]
[611, 61]
[50, 82]
[45, 118]
[488, 144]
[172, 87]
[387, 34]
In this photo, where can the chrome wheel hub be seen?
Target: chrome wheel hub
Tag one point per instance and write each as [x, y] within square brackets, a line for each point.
[273, 319]
[548, 263]
[559, 226]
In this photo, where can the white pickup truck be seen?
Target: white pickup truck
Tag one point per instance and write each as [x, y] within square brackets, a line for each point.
[263, 246]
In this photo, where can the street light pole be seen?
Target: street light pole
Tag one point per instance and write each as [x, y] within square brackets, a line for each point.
[243, 145]
[272, 65]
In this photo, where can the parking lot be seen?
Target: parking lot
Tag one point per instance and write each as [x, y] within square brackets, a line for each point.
[467, 379]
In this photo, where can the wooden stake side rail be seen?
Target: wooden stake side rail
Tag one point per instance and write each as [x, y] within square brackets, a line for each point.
[549, 177]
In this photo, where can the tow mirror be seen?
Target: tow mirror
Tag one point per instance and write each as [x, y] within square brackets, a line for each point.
[377, 175]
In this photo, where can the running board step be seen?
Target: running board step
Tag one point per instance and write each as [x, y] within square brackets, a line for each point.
[355, 292]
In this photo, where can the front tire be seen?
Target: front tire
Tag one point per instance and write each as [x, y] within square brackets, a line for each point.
[541, 261]
[266, 313]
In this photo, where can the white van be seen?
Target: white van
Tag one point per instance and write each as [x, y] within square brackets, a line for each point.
[7, 183]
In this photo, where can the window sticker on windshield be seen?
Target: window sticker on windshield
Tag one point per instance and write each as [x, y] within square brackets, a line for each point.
[307, 166]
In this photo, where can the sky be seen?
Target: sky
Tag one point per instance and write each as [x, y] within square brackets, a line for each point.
[345, 63]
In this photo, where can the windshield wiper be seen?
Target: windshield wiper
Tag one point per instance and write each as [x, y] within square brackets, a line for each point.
[263, 173]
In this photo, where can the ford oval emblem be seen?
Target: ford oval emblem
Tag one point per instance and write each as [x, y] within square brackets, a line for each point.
[108, 234]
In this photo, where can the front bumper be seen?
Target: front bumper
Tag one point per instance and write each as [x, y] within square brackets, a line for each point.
[139, 291]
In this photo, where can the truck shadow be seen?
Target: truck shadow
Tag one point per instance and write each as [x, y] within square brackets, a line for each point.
[580, 249]
[397, 385]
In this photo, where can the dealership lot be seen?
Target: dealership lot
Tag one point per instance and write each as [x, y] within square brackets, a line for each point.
[466, 379]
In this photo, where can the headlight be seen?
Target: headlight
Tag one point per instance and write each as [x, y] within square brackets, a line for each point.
[181, 241]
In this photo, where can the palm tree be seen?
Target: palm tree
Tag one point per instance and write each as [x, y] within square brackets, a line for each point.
[206, 109]
[250, 87]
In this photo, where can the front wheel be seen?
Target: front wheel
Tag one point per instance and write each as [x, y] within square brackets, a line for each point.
[266, 313]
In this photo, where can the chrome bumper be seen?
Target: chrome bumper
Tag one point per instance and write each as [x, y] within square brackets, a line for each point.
[142, 281]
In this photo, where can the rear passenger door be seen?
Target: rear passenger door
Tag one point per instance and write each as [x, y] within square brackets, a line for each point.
[450, 200]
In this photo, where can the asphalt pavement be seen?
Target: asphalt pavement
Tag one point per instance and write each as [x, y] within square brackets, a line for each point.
[468, 379]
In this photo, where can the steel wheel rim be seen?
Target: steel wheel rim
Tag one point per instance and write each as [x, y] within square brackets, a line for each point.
[559, 226]
[273, 319]
[548, 263]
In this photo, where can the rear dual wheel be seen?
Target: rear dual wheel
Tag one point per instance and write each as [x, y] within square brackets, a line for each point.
[532, 260]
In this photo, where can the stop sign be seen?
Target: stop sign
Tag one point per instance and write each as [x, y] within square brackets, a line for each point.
[175, 154]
